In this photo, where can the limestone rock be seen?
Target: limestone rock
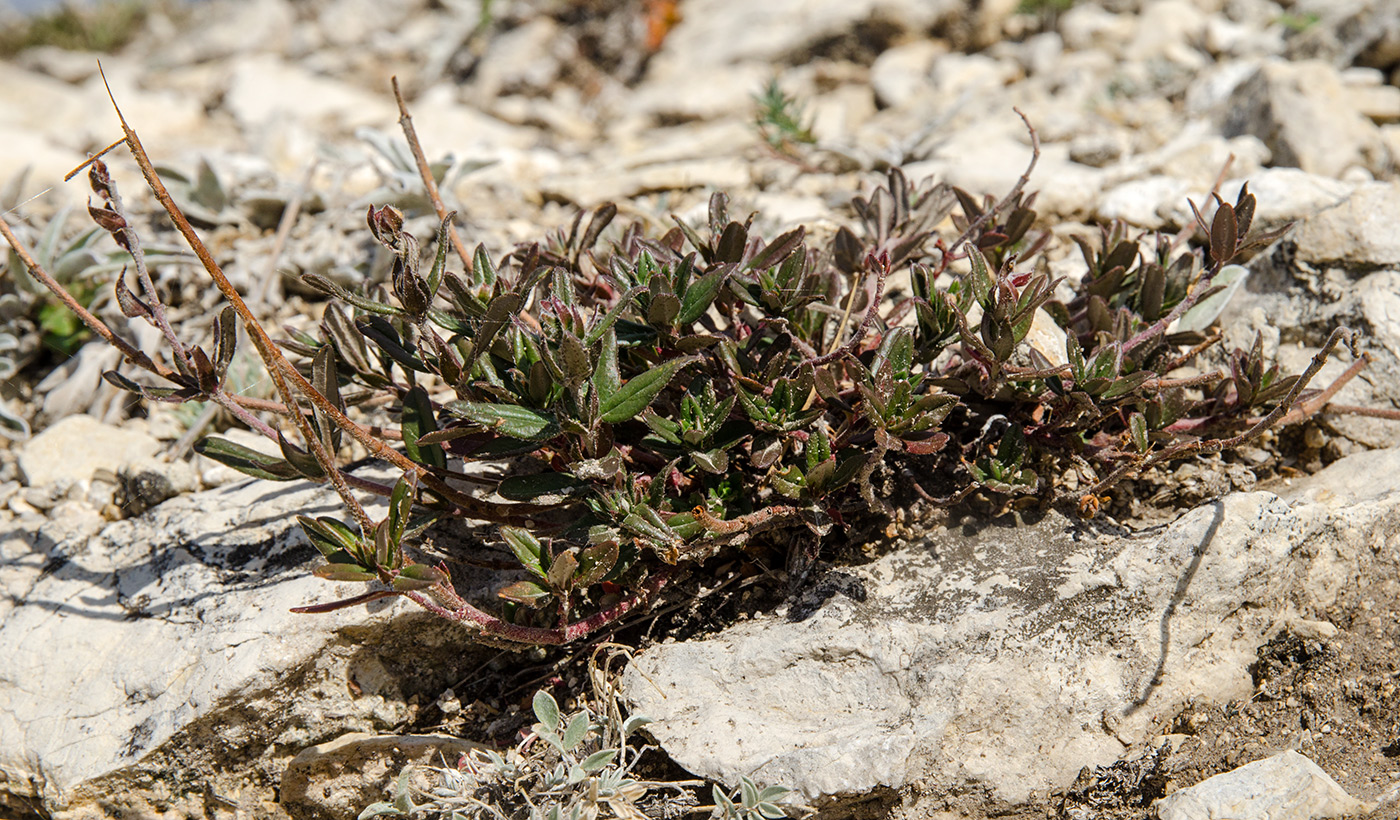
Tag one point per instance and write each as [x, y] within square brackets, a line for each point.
[75, 447]
[264, 88]
[1303, 113]
[338, 779]
[1287, 786]
[901, 74]
[1146, 203]
[1285, 195]
[1359, 233]
[1010, 657]
[164, 645]
[722, 51]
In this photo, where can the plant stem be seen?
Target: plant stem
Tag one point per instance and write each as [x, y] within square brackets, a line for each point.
[456, 609]
[282, 371]
[426, 172]
[42, 276]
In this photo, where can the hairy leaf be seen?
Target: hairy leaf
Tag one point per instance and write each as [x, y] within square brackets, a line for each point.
[637, 393]
[246, 460]
[507, 419]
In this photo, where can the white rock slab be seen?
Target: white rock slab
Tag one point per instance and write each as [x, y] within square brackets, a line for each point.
[171, 608]
[1302, 112]
[164, 644]
[1287, 786]
[1009, 657]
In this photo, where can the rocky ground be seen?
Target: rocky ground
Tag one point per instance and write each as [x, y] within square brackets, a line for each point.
[1284, 608]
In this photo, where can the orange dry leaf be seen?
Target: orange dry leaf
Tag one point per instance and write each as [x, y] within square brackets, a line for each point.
[662, 16]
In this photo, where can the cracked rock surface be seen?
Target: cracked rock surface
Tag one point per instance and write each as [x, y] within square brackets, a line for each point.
[1008, 657]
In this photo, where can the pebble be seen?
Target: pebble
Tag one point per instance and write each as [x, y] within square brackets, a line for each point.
[1287, 786]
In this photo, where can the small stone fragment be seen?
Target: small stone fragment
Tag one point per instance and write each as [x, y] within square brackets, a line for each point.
[1358, 234]
[1287, 786]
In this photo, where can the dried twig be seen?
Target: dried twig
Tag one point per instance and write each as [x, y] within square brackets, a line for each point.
[1207, 446]
[426, 172]
[285, 375]
[1010, 196]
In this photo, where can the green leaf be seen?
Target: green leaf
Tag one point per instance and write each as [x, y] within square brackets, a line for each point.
[546, 710]
[246, 460]
[598, 761]
[318, 282]
[748, 792]
[344, 572]
[378, 330]
[1204, 312]
[714, 461]
[498, 315]
[329, 535]
[401, 506]
[578, 729]
[526, 547]
[722, 800]
[541, 488]
[647, 523]
[529, 593]
[418, 577]
[637, 393]
[325, 379]
[418, 421]
[778, 250]
[574, 359]
[701, 294]
[663, 310]
[440, 261]
[606, 380]
[1137, 426]
[303, 461]
[610, 318]
[634, 723]
[1125, 385]
[507, 419]
[595, 562]
[378, 810]
[483, 271]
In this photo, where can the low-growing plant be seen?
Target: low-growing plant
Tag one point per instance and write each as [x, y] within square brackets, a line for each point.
[103, 27]
[656, 400]
[569, 767]
[781, 120]
[576, 766]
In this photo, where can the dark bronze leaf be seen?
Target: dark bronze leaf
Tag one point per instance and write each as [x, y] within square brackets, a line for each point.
[1223, 234]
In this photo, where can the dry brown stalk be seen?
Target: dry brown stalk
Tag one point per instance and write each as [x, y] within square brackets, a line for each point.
[426, 172]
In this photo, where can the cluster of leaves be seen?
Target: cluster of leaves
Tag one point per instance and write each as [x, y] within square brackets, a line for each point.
[671, 396]
[578, 766]
[659, 399]
[570, 767]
